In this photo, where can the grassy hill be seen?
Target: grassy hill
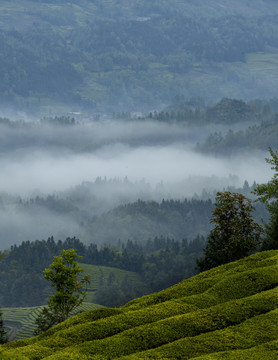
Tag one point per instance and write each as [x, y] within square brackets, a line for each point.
[229, 312]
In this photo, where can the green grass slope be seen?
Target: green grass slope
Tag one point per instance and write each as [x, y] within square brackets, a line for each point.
[230, 312]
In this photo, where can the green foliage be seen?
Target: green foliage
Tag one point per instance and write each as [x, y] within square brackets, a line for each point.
[133, 269]
[69, 290]
[142, 220]
[177, 323]
[266, 351]
[63, 273]
[235, 234]
[3, 332]
[268, 194]
[259, 330]
[12, 357]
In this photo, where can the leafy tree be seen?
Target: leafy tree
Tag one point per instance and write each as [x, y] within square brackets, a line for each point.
[235, 233]
[268, 194]
[69, 294]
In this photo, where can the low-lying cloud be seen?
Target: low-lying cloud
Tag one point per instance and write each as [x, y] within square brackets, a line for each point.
[45, 158]
[48, 172]
[158, 160]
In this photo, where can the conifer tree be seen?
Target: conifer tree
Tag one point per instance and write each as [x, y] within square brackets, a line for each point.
[268, 194]
[235, 234]
[3, 333]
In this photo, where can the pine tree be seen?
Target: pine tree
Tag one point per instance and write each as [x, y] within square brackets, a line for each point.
[235, 234]
[3, 333]
[268, 194]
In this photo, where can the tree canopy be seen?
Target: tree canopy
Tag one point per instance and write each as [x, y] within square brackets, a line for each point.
[235, 234]
[268, 194]
[3, 333]
[69, 289]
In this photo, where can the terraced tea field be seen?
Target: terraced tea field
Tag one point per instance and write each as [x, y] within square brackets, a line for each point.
[20, 322]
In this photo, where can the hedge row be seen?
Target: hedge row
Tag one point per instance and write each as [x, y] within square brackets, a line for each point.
[207, 280]
[261, 329]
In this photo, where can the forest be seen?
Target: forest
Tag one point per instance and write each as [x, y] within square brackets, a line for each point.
[87, 56]
[161, 262]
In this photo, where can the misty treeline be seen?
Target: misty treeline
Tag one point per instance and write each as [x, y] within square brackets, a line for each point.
[58, 52]
[259, 136]
[227, 111]
[247, 124]
[158, 240]
[105, 211]
[161, 262]
[87, 211]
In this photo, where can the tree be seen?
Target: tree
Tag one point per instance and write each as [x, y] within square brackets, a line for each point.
[3, 333]
[268, 194]
[235, 234]
[69, 291]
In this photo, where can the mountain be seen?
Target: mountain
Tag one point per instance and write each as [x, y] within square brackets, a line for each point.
[72, 56]
[227, 312]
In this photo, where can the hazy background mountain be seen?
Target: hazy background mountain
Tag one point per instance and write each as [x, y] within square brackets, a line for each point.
[101, 56]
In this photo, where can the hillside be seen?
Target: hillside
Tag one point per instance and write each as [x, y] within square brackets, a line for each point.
[107, 285]
[20, 321]
[102, 56]
[228, 312]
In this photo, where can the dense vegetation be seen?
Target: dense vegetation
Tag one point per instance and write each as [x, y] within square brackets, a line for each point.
[227, 111]
[123, 54]
[229, 311]
[160, 262]
[79, 212]
[259, 136]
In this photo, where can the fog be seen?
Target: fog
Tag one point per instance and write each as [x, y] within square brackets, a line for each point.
[135, 160]
[47, 173]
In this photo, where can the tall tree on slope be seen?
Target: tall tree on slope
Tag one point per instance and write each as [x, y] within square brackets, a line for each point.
[235, 234]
